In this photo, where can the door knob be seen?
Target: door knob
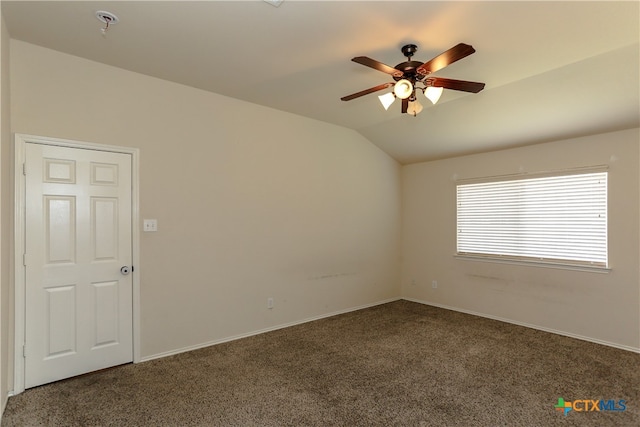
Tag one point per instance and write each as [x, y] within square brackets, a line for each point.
[126, 269]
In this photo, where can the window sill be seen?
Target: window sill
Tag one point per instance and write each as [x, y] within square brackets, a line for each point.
[534, 263]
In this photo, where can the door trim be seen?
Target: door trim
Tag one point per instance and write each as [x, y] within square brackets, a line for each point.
[20, 141]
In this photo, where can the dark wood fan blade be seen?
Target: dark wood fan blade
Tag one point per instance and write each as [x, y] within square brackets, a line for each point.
[473, 87]
[376, 65]
[367, 91]
[405, 105]
[452, 55]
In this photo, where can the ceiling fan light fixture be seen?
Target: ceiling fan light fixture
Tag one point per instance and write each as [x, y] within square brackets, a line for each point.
[387, 99]
[414, 108]
[403, 89]
[433, 93]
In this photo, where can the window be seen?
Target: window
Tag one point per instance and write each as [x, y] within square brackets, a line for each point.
[558, 219]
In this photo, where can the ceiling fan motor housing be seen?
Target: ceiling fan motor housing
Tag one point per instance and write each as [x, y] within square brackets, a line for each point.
[409, 67]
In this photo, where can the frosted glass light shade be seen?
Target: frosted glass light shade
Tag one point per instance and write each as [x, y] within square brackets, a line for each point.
[414, 108]
[433, 93]
[387, 99]
[403, 89]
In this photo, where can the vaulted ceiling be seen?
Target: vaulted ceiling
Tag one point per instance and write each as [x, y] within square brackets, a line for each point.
[552, 70]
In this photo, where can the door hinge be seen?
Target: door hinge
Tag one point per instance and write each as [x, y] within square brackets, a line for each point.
[24, 259]
[24, 351]
[24, 168]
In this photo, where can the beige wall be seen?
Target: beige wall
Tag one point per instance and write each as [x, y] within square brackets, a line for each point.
[254, 203]
[251, 202]
[5, 215]
[596, 306]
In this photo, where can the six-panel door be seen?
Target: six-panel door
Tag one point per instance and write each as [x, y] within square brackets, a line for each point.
[78, 236]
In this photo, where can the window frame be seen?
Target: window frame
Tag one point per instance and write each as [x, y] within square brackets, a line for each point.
[532, 260]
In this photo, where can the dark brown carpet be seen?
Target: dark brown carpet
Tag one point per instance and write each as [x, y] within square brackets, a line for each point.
[398, 364]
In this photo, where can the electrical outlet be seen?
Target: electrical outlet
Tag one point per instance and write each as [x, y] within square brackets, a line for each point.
[413, 282]
[434, 284]
[269, 303]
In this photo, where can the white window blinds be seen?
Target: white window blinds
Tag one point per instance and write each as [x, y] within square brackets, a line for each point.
[557, 219]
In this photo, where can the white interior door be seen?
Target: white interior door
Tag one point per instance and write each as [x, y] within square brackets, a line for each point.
[78, 315]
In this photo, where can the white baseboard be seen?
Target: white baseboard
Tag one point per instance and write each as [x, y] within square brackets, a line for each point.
[528, 325]
[262, 331]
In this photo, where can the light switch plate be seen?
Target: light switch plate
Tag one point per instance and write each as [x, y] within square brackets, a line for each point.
[150, 225]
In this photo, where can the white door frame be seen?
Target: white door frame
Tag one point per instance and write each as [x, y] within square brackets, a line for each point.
[20, 141]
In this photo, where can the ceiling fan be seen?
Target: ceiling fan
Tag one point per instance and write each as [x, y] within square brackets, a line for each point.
[409, 74]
